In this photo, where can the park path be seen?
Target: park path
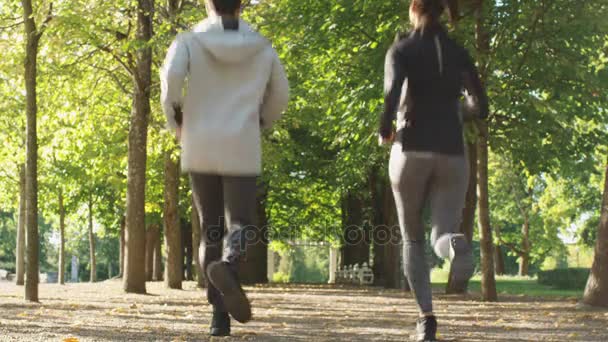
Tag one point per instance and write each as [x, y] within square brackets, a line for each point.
[102, 312]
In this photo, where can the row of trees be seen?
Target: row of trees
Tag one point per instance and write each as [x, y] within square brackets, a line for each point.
[95, 139]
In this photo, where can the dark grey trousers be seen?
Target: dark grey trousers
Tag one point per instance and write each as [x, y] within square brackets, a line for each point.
[226, 207]
[418, 178]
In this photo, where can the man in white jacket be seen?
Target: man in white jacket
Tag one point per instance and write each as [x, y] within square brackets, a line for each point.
[235, 86]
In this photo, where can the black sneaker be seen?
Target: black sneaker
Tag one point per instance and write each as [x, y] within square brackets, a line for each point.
[235, 300]
[426, 329]
[220, 324]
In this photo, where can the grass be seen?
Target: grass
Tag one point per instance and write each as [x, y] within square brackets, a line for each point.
[509, 285]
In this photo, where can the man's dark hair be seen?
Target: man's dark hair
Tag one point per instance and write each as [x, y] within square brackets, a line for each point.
[226, 7]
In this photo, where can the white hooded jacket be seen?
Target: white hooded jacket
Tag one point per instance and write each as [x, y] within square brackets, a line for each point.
[235, 86]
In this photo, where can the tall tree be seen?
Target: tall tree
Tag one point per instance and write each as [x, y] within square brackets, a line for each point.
[20, 262]
[121, 251]
[173, 234]
[92, 259]
[488, 281]
[61, 266]
[596, 292]
[134, 277]
[32, 45]
[157, 267]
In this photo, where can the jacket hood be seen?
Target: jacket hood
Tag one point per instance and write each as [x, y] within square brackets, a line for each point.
[232, 47]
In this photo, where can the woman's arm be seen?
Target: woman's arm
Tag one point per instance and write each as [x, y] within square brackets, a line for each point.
[394, 76]
[476, 98]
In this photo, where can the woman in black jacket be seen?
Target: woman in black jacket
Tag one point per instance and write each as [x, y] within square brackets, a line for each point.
[426, 75]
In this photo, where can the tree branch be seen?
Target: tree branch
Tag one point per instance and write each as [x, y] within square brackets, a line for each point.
[512, 247]
[12, 25]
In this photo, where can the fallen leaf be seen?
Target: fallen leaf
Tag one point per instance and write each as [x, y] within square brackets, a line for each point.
[70, 339]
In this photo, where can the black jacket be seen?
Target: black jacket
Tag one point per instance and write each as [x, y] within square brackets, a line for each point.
[436, 71]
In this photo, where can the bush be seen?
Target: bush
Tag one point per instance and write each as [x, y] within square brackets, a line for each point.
[565, 279]
[9, 266]
[280, 277]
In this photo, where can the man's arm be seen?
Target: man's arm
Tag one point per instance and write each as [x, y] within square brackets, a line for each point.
[276, 97]
[172, 77]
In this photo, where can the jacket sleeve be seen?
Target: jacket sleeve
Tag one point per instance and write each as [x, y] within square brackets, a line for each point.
[172, 77]
[394, 77]
[276, 97]
[476, 98]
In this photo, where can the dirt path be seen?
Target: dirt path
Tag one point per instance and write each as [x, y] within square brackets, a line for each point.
[102, 312]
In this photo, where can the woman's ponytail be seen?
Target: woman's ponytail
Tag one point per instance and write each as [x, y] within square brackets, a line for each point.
[425, 13]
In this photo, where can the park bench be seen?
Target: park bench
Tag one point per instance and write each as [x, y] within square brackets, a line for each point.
[355, 274]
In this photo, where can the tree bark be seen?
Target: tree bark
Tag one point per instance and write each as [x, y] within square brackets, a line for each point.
[150, 243]
[32, 38]
[173, 234]
[467, 224]
[61, 268]
[488, 281]
[157, 271]
[20, 253]
[499, 258]
[134, 280]
[524, 264]
[187, 252]
[356, 237]
[92, 261]
[121, 252]
[596, 292]
[380, 231]
[196, 242]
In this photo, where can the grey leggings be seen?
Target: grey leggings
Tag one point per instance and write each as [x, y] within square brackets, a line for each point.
[442, 180]
[223, 201]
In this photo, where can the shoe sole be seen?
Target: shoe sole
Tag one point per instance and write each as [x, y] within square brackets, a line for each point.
[219, 333]
[235, 300]
[462, 262]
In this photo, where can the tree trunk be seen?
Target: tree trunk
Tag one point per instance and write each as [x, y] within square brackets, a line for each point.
[121, 252]
[596, 292]
[196, 242]
[380, 231]
[92, 261]
[186, 230]
[253, 269]
[356, 237]
[524, 264]
[20, 253]
[173, 233]
[61, 268]
[157, 271]
[488, 281]
[150, 243]
[467, 224]
[135, 277]
[499, 258]
[32, 38]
